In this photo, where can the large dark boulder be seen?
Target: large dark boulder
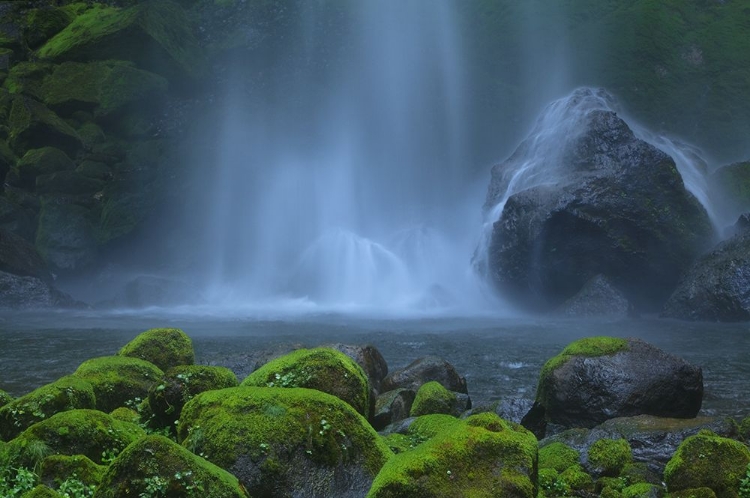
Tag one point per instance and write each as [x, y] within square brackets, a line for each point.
[596, 379]
[65, 238]
[423, 370]
[25, 292]
[598, 298]
[593, 199]
[717, 286]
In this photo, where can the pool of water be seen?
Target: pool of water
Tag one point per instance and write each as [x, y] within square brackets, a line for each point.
[499, 356]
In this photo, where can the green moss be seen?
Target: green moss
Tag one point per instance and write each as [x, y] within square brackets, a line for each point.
[558, 456]
[45, 23]
[482, 456]
[42, 161]
[5, 398]
[641, 490]
[613, 483]
[708, 461]
[281, 433]
[157, 465]
[609, 456]
[165, 348]
[589, 347]
[180, 384]
[399, 443]
[66, 393]
[41, 491]
[577, 478]
[693, 493]
[432, 397]
[745, 428]
[126, 415]
[27, 78]
[33, 125]
[118, 380]
[550, 483]
[76, 432]
[58, 468]
[324, 369]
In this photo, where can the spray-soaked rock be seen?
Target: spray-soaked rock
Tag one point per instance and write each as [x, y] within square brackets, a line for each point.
[425, 370]
[716, 287]
[595, 379]
[584, 196]
[598, 298]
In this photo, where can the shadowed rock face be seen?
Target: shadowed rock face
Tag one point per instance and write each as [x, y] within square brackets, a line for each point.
[585, 391]
[717, 286]
[611, 204]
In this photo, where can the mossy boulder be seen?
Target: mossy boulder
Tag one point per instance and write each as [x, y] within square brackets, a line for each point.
[57, 468]
[482, 456]
[118, 380]
[693, 493]
[67, 393]
[326, 370]
[155, 464]
[284, 442]
[27, 77]
[424, 370]
[33, 125]
[642, 490]
[76, 432]
[42, 161]
[68, 183]
[608, 457]
[43, 23]
[392, 406]
[577, 478]
[5, 398]
[65, 236]
[41, 491]
[155, 35]
[432, 397]
[165, 348]
[599, 378]
[180, 384]
[558, 456]
[103, 87]
[708, 461]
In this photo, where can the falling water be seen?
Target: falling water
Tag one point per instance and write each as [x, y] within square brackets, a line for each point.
[349, 189]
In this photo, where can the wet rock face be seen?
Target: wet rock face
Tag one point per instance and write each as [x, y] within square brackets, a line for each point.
[716, 286]
[423, 370]
[584, 391]
[613, 205]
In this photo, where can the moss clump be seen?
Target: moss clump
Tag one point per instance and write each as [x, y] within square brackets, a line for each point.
[641, 490]
[126, 415]
[558, 456]
[280, 441]
[745, 428]
[43, 24]
[324, 369]
[155, 464]
[27, 77]
[165, 348]
[708, 461]
[57, 468]
[428, 426]
[550, 483]
[42, 491]
[432, 397]
[482, 455]
[609, 456]
[77, 432]
[693, 493]
[67, 393]
[180, 384]
[118, 380]
[577, 478]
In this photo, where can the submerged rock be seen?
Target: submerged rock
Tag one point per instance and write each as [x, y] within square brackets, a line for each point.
[717, 286]
[599, 378]
[610, 204]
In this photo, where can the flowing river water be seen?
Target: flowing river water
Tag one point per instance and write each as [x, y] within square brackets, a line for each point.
[499, 356]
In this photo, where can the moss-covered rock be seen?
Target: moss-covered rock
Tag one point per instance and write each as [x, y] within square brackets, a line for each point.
[42, 491]
[550, 483]
[558, 456]
[708, 461]
[42, 161]
[67, 393]
[126, 414]
[642, 490]
[68, 183]
[65, 236]
[577, 479]
[157, 465]
[33, 125]
[76, 432]
[165, 348]
[392, 406]
[118, 380]
[432, 397]
[693, 493]
[481, 456]
[57, 468]
[43, 23]
[27, 77]
[155, 35]
[284, 442]
[744, 428]
[609, 456]
[91, 134]
[326, 370]
[180, 384]
[103, 87]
